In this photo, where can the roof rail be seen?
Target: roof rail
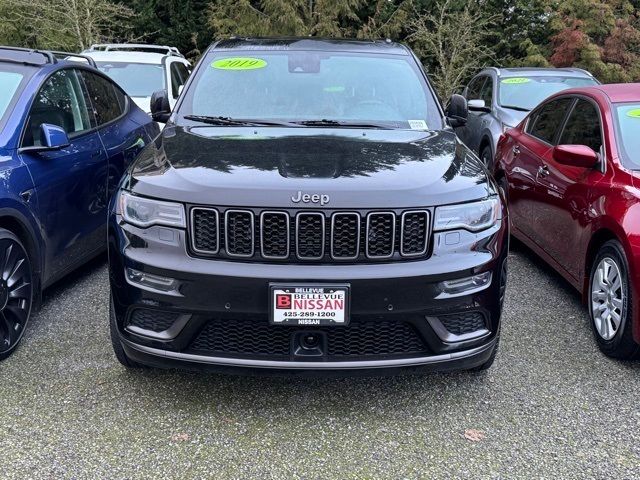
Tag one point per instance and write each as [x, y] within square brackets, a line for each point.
[141, 47]
[12, 54]
[71, 56]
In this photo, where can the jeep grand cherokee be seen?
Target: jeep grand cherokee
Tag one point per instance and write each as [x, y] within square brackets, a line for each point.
[307, 207]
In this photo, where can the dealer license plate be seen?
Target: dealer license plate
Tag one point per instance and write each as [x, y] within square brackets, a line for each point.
[309, 305]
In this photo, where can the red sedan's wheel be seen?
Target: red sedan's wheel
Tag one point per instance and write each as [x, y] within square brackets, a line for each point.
[610, 302]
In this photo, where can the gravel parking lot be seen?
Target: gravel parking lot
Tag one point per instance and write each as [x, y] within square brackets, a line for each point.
[551, 407]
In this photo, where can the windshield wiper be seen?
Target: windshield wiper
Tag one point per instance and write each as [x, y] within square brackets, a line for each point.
[339, 123]
[514, 107]
[236, 121]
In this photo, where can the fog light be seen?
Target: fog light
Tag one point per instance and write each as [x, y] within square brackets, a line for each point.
[465, 286]
[149, 281]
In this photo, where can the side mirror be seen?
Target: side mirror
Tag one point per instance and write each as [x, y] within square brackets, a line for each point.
[457, 111]
[575, 156]
[478, 105]
[52, 137]
[160, 108]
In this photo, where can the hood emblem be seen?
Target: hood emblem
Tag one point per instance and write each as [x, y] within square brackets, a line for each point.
[322, 199]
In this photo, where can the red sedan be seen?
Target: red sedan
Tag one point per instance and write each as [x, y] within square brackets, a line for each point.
[571, 174]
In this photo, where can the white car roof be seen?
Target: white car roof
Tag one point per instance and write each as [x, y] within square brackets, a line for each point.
[128, 56]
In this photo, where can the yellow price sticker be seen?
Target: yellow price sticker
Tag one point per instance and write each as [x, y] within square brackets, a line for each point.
[635, 113]
[239, 63]
[516, 80]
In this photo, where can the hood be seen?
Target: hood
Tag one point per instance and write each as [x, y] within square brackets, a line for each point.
[354, 168]
[143, 102]
[512, 117]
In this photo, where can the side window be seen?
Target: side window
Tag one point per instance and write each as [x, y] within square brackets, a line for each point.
[486, 93]
[473, 91]
[583, 127]
[107, 99]
[61, 101]
[546, 122]
[179, 75]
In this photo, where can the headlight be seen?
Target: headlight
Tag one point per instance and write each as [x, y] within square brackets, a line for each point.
[144, 212]
[473, 216]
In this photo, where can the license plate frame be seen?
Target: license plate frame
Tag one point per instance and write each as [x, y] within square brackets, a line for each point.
[309, 321]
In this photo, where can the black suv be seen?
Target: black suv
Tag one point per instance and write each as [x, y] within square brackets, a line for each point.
[307, 207]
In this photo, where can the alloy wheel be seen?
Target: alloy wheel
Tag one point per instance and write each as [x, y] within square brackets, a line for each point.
[16, 290]
[607, 298]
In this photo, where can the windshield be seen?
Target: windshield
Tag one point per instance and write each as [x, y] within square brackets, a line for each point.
[527, 92]
[136, 79]
[299, 86]
[627, 128]
[9, 83]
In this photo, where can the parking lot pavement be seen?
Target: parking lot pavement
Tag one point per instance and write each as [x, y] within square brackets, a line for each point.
[551, 407]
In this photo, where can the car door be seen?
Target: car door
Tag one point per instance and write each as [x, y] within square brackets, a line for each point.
[177, 75]
[122, 134]
[67, 181]
[563, 190]
[472, 92]
[527, 158]
[480, 119]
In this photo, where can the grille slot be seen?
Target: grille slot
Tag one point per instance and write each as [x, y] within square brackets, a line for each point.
[274, 234]
[255, 337]
[238, 231]
[310, 233]
[461, 323]
[152, 320]
[413, 234]
[345, 236]
[204, 227]
[381, 233]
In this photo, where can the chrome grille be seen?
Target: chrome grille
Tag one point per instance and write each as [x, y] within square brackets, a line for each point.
[355, 236]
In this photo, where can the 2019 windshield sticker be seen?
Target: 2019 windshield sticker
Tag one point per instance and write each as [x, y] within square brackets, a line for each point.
[334, 89]
[239, 63]
[418, 125]
[635, 113]
[516, 80]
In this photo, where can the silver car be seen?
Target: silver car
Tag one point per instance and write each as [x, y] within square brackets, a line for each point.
[499, 98]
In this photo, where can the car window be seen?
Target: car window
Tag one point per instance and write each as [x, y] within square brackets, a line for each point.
[301, 85]
[486, 93]
[526, 92]
[583, 127]
[545, 123]
[61, 101]
[137, 79]
[627, 117]
[474, 88]
[179, 75]
[107, 99]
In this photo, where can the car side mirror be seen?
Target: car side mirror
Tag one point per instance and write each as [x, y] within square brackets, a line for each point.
[478, 105]
[575, 156]
[52, 137]
[457, 111]
[160, 107]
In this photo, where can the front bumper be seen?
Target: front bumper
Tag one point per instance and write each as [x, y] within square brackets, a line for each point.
[217, 318]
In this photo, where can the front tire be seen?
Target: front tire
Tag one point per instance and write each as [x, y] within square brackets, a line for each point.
[16, 292]
[487, 157]
[611, 303]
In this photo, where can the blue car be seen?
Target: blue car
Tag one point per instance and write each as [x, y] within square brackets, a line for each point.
[67, 132]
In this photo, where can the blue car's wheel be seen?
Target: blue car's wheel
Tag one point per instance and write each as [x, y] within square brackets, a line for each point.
[16, 292]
